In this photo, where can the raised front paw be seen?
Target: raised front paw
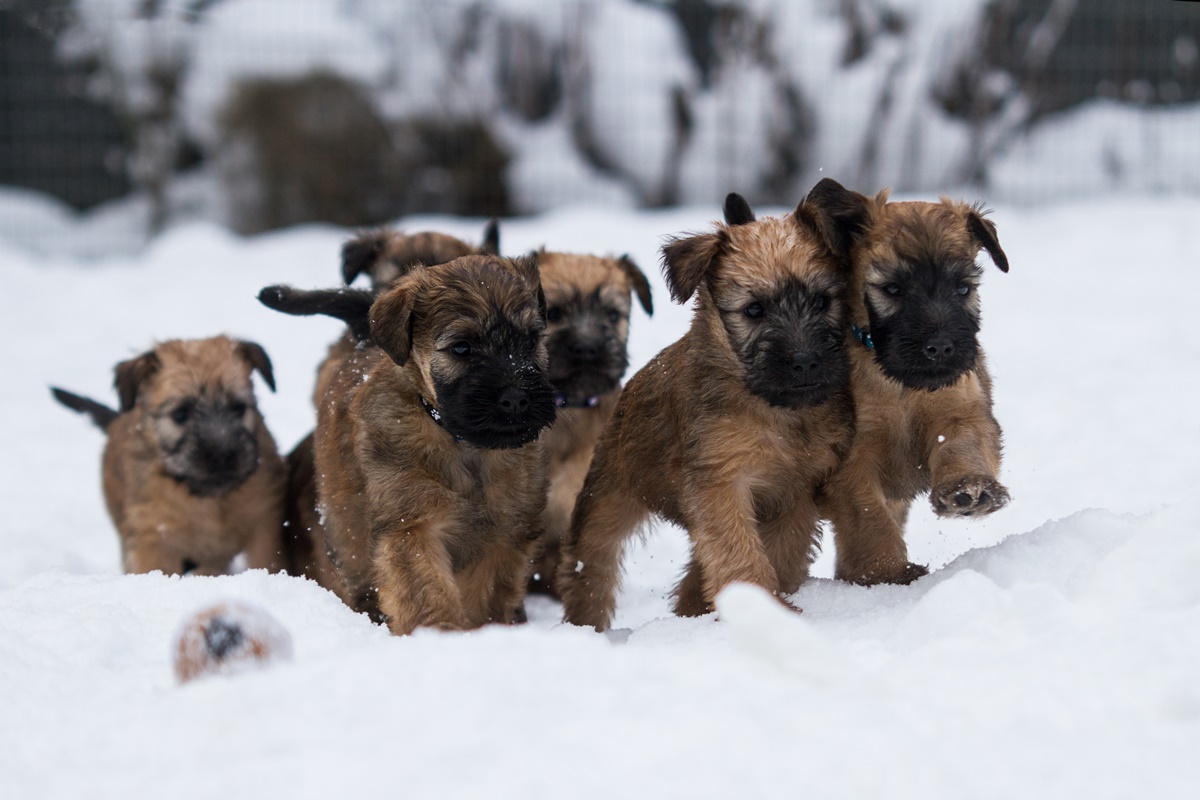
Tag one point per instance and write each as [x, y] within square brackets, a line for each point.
[972, 496]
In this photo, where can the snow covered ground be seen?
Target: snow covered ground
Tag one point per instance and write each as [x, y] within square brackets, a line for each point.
[1054, 651]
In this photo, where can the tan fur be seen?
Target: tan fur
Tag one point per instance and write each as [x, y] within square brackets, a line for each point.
[571, 441]
[690, 443]
[159, 522]
[384, 255]
[424, 530]
[908, 441]
[400, 251]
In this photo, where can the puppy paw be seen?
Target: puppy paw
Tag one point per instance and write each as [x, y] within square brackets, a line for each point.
[973, 496]
[900, 574]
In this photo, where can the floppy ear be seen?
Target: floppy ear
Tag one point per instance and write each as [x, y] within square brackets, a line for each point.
[835, 214]
[984, 231]
[687, 259]
[131, 374]
[491, 239]
[737, 210]
[641, 286]
[351, 306]
[360, 253]
[527, 267]
[391, 319]
[257, 358]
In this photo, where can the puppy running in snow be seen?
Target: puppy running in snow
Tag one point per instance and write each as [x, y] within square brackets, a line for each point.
[191, 475]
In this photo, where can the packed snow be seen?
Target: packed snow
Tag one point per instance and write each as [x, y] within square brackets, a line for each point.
[1053, 652]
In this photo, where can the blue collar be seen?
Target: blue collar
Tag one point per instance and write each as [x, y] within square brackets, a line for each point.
[863, 336]
[436, 416]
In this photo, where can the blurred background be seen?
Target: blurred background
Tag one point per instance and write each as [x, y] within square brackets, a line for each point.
[121, 117]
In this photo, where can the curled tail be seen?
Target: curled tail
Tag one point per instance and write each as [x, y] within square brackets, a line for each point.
[351, 306]
[101, 414]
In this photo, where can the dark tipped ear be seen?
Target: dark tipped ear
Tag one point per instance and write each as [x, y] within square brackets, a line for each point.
[360, 253]
[687, 259]
[391, 319]
[351, 306]
[491, 239]
[837, 215]
[254, 355]
[527, 267]
[641, 286]
[737, 210]
[984, 231]
[131, 374]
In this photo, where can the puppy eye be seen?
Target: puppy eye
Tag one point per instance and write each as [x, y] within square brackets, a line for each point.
[238, 408]
[893, 289]
[964, 289]
[553, 314]
[614, 316]
[754, 310]
[461, 349]
[181, 414]
[821, 302]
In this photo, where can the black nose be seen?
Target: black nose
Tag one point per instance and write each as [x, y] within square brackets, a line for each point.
[220, 459]
[585, 349]
[514, 401]
[938, 347]
[806, 366]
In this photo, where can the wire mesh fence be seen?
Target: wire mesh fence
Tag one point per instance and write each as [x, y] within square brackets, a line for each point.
[265, 113]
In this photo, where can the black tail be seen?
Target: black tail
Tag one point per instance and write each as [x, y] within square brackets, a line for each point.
[351, 306]
[101, 414]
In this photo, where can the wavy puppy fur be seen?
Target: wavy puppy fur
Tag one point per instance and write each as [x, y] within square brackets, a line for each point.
[384, 255]
[588, 303]
[732, 431]
[921, 386]
[191, 474]
[429, 469]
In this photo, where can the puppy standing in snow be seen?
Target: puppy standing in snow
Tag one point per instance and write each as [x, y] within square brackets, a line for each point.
[732, 431]
[428, 465]
[588, 300]
[383, 255]
[191, 475]
[921, 387]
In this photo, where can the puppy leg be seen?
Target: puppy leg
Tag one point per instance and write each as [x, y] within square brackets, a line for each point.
[725, 540]
[145, 551]
[689, 593]
[867, 532]
[791, 542]
[963, 463]
[265, 549]
[414, 577]
[606, 515]
[493, 588]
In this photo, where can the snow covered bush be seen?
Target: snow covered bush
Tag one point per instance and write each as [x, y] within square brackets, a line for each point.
[521, 105]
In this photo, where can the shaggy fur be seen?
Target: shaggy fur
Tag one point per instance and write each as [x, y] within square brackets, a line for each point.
[732, 431]
[428, 466]
[191, 475]
[588, 302]
[921, 386]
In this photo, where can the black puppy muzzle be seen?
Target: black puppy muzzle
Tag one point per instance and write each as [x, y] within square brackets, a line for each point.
[500, 403]
[215, 455]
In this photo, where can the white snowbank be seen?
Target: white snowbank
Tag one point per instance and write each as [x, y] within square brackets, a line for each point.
[1051, 654]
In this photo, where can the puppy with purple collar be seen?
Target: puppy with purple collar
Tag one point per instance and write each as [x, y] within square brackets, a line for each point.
[588, 303]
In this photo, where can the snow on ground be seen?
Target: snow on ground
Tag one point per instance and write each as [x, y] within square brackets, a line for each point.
[1053, 652]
